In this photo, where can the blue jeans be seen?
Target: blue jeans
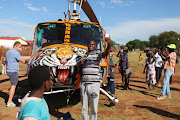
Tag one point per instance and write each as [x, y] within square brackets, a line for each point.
[166, 87]
[110, 86]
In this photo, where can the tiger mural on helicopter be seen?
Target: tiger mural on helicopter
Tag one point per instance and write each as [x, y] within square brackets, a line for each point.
[62, 61]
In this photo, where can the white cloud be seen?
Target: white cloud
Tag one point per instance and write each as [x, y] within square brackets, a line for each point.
[15, 23]
[102, 3]
[117, 1]
[122, 2]
[110, 7]
[29, 6]
[44, 9]
[27, 33]
[14, 28]
[142, 29]
[1, 7]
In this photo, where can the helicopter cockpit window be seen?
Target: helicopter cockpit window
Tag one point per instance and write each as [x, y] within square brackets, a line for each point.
[46, 35]
[83, 33]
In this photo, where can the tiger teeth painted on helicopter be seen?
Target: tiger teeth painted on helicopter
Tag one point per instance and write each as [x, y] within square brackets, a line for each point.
[61, 60]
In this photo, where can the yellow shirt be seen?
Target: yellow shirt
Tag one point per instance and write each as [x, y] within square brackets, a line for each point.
[140, 58]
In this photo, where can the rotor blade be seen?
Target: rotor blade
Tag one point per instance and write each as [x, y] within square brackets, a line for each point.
[89, 12]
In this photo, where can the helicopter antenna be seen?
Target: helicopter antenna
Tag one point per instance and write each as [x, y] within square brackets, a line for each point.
[75, 15]
[80, 8]
[69, 10]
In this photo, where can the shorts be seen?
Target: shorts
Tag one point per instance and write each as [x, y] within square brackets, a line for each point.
[13, 77]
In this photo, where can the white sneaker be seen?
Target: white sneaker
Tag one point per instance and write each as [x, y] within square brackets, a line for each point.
[161, 97]
[168, 96]
[11, 104]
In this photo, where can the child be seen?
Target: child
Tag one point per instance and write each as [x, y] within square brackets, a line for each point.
[33, 105]
[127, 73]
[140, 59]
[150, 70]
[3, 59]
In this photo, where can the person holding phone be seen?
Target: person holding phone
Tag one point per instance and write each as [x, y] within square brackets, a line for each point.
[91, 78]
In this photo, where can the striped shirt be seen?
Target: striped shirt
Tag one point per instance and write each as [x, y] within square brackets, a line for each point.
[91, 69]
[170, 64]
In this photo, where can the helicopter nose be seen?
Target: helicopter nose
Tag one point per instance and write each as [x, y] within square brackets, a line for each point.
[63, 60]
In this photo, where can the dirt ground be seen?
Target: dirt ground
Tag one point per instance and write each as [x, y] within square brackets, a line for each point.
[136, 104]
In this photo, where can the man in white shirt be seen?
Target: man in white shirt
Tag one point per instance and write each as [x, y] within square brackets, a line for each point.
[158, 65]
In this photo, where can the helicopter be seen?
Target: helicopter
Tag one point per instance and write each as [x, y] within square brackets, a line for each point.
[61, 44]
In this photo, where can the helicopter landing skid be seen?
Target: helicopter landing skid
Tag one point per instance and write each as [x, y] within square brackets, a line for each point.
[58, 91]
[67, 92]
[114, 100]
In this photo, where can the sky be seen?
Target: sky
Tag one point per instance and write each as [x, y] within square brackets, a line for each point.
[124, 20]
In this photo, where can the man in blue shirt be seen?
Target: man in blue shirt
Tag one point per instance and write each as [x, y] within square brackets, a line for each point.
[124, 60]
[12, 68]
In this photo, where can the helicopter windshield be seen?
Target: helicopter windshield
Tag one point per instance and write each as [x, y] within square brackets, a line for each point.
[83, 33]
[46, 35]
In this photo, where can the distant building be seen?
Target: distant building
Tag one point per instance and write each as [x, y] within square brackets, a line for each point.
[30, 42]
[9, 41]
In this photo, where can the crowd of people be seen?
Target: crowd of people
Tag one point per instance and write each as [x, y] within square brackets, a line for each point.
[154, 64]
[34, 106]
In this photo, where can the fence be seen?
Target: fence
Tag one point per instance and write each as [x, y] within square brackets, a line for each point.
[26, 50]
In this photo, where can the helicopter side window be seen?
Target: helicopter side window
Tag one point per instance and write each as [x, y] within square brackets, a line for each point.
[46, 35]
[83, 33]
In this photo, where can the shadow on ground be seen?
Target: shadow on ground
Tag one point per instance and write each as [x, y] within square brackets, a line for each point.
[55, 101]
[159, 112]
[58, 101]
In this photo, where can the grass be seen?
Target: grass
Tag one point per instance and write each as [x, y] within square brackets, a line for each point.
[2, 108]
[175, 99]
[21, 66]
[152, 116]
[133, 58]
[122, 117]
[128, 91]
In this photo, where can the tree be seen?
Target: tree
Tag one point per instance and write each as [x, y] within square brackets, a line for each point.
[163, 39]
[154, 41]
[134, 44]
[114, 44]
[144, 44]
[166, 38]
